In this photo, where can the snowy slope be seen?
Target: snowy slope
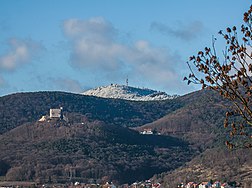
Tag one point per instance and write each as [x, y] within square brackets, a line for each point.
[128, 93]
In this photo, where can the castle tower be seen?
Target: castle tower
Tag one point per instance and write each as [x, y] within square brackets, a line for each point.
[61, 113]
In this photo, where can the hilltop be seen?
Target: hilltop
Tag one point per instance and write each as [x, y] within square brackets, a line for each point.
[116, 91]
[20, 108]
[101, 140]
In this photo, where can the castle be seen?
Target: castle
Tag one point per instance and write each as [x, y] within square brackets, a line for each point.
[54, 114]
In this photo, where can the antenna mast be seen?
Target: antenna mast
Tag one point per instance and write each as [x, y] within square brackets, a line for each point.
[127, 81]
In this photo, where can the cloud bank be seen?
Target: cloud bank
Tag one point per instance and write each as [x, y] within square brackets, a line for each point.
[20, 52]
[95, 46]
[184, 32]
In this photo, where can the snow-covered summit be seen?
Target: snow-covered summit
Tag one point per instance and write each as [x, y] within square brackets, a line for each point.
[128, 93]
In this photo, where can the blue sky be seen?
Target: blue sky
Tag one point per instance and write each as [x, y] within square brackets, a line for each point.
[74, 45]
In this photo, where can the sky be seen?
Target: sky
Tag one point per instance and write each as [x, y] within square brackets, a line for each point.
[75, 45]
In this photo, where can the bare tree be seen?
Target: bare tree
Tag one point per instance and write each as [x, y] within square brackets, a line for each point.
[231, 77]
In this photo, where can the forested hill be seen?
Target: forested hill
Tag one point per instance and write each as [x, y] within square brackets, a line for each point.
[188, 125]
[56, 152]
[20, 108]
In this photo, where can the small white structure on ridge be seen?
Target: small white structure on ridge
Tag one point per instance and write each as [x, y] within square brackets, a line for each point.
[43, 118]
[147, 131]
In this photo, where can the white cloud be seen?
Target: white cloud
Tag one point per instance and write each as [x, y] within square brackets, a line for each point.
[95, 28]
[93, 43]
[20, 52]
[96, 47]
[185, 32]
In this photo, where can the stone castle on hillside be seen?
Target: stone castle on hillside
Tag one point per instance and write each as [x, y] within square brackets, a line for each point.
[54, 114]
[57, 113]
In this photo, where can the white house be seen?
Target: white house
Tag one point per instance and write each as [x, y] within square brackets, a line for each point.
[205, 185]
[156, 185]
[216, 184]
[147, 131]
[108, 185]
[191, 185]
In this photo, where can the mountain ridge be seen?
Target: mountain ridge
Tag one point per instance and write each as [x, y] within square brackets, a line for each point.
[195, 118]
[19, 108]
[116, 91]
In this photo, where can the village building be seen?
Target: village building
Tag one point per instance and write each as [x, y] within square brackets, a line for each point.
[191, 185]
[156, 185]
[109, 185]
[225, 185]
[205, 185]
[216, 184]
[147, 131]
